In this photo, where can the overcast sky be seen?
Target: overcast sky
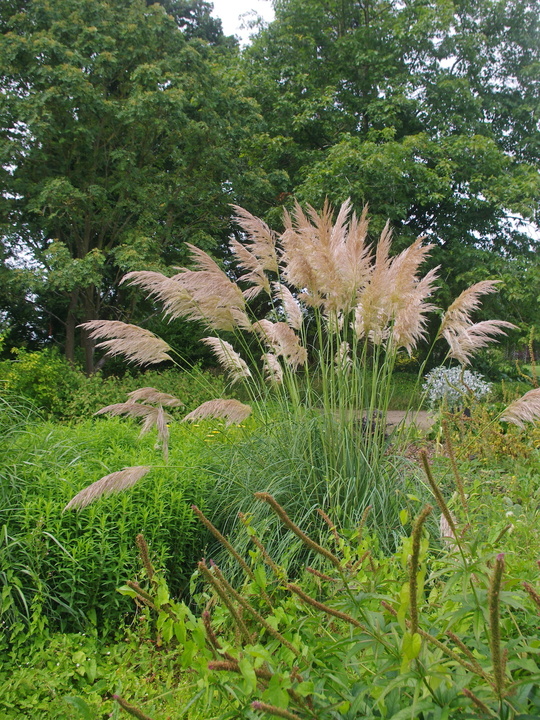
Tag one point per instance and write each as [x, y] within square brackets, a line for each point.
[230, 11]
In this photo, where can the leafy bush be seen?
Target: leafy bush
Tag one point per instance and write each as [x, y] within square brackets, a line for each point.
[454, 388]
[439, 630]
[61, 391]
[191, 387]
[43, 377]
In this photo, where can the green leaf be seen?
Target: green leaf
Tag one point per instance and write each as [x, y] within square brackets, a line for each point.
[81, 706]
[275, 694]
[162, 596]
[248, 673]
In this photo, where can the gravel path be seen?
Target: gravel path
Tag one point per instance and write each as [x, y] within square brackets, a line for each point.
[423, 419]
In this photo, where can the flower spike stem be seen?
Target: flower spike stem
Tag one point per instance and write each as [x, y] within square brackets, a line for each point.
[535, 597]
[145, 555]
[226, 544]
[452, 457]
[413, 566]
[324, 608]
[286, 520]
[438, 494]
[131, 709]
[251, 610]
[221, 591]
[272, 710]
[476, 700]
[494, 624]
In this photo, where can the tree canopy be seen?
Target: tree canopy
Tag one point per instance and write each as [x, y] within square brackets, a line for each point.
[128, 127]
[118, 131]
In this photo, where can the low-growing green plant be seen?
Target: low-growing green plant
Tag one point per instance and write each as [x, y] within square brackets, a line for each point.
[62, 569]
[73, 676]
[442, 629]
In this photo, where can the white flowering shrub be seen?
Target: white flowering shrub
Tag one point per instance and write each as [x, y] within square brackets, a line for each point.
[453, 387]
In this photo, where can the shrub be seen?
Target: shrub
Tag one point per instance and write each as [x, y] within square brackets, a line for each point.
[64, 567]
[191, 387]
[43, 377]
[454, 388]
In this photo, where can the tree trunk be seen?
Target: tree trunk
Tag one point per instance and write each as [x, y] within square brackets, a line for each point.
[71, 322]
[88, 345]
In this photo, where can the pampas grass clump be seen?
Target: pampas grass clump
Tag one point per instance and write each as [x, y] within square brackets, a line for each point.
[317, 369]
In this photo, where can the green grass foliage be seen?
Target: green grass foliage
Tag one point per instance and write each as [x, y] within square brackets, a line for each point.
[68, 565]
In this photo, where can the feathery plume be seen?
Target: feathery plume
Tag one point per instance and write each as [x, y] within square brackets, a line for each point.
[459, 312]
[394, 301]
[292, 309]
[283, 341]
[153, 416]
[447, 534]
[409, 326]
[343, 357]
[136, 344]
[205, 294]
[162, 428]
[131, 409]
[466, 339]
[232, 411]
[113, 483]
[462, 335]
[272, 369]
[328, 261]
[154, 397]
[262, 241]
[228, 358]
[524, 409]
[250, 262]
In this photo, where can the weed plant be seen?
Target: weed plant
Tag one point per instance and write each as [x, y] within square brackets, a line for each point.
[439, 630]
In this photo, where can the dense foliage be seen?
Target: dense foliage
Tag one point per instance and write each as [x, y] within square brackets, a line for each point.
[61, 570]
[430, 633]
[128, 127]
